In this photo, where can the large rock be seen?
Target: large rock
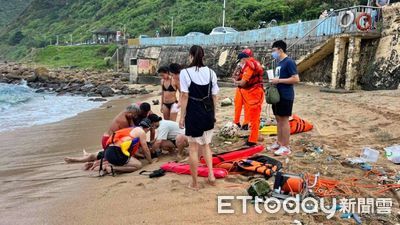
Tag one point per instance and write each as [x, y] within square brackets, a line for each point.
[105, 91]
[42, 74]
[129, 91]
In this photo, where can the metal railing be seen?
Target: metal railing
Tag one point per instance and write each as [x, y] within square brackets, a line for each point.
[331, 26]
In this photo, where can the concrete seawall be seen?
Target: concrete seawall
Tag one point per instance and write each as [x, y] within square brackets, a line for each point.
[377, 64]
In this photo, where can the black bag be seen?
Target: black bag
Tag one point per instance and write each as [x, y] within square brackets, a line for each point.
[153, 174]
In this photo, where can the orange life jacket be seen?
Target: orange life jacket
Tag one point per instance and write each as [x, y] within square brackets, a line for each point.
[257, 77]
[262, 168]
[130, 147]
[298, 125]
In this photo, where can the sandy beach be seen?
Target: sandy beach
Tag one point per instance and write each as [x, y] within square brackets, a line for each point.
[37, 187]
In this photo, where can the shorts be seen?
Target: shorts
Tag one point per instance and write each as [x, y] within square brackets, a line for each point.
[175, 108]
[104, 140]
[114, 155]
[100, 155]
[283, 108]
[203, 140]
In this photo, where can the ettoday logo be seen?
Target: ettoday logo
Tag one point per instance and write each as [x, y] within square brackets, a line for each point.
[309, 205]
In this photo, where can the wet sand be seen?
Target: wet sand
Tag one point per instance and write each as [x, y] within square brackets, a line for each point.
[344, 123]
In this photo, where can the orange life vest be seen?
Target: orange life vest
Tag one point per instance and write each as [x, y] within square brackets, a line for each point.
[130, 147]
[298, 125]
[262, 168]
[257, 78]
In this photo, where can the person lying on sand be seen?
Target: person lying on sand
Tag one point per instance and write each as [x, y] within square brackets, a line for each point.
[169, 136]
[89, 158]
[120, 152]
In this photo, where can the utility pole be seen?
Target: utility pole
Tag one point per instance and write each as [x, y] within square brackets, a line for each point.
[172, 26]
[57, 40]
[71, 40]
[223, 14]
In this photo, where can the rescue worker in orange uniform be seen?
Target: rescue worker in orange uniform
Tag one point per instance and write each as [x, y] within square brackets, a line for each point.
[239, 104]
[252, 93]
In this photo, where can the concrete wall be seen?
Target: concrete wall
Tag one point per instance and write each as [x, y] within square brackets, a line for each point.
[220, 58]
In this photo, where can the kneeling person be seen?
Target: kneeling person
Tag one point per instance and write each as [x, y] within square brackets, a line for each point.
[169, 135]
[122, 146]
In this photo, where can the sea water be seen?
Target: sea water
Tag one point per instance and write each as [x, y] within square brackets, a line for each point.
[21, 106]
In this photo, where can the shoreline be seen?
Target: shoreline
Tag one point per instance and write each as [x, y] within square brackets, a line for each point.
[343, 125]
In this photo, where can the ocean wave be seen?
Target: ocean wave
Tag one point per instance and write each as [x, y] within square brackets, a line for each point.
[20, 106]
[11, 94]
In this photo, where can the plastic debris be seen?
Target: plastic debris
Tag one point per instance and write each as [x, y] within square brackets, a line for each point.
[393, 153]
[297, 222]
[355, 216]
[366, 167]
[367, 155]
[226, 102]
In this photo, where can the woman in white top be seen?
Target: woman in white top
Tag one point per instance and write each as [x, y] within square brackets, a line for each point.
[198, 103]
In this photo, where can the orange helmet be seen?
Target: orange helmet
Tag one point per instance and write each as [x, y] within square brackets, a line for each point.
[248, 52]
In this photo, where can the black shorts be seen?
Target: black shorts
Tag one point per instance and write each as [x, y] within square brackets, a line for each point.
[114, 155]
[283, 108]
[100, 155]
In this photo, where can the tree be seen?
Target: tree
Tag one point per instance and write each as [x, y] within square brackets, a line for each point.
[16, 38]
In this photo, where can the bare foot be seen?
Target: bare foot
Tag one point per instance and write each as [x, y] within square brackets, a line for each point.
[68, 159]
[211, 180]
[85, 153]
[109, 170]
[193, 187]
[87, 165]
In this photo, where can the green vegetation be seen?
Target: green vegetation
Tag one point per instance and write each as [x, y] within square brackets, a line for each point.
[92, 56]
[43, 20]
[10, 10]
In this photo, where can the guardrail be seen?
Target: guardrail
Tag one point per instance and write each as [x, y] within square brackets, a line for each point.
[315, 28]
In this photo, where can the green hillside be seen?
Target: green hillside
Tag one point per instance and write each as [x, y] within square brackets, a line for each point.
[90, 56]
[43, 20]
[9, 10]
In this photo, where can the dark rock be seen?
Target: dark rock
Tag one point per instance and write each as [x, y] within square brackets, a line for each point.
[92, 94]
[129, 91]
[97, 99]
[40, 90]
[105, 91]
[12, 76]
[87, 87]
[143, 91]
[31, 78]
[125, 77]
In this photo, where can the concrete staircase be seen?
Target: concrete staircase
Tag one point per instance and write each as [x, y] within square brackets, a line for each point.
[316, 55]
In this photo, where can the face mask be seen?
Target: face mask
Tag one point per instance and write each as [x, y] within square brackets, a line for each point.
[275, 55]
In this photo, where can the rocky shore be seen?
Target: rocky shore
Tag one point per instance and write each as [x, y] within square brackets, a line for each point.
[72, 81]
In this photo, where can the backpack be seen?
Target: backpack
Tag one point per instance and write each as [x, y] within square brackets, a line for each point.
[272, 95]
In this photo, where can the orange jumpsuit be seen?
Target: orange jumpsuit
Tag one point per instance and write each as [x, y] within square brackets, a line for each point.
[237, 74]
[253, 98]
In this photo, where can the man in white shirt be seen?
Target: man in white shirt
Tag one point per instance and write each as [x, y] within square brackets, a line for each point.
[169, 136]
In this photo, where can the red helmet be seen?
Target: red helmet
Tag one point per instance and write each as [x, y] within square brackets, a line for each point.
[248, 52]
